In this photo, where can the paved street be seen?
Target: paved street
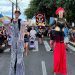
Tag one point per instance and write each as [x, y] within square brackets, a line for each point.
[28, 19]
[38, 62]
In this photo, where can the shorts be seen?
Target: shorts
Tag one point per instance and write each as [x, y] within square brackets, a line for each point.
[40, 35]
[26, 40]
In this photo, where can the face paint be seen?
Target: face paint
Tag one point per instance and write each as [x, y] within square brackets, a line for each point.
[61, 14]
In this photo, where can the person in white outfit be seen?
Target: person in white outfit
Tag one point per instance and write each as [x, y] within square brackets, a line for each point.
[33, 33]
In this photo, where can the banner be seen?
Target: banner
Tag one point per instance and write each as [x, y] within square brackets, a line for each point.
[40, 19]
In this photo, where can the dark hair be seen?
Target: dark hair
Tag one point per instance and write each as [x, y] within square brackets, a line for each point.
[17, 11]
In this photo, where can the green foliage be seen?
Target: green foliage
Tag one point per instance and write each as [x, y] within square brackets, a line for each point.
[49, 6]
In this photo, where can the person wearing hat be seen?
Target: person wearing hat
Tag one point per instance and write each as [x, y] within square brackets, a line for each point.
[60, 66]
[17, 47]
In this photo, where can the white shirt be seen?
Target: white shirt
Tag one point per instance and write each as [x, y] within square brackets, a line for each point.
[33, 33]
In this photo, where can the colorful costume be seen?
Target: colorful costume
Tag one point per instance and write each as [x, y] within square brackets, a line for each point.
[59, 49]
[17, 49]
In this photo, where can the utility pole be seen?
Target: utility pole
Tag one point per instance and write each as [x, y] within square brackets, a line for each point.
[16, 4]
[12, 9]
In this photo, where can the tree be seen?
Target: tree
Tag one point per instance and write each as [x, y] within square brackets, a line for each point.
[49, 7]
[70, 9]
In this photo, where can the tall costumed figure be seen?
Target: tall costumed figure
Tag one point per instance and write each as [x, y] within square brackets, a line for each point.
[17, 48]
[60, 66]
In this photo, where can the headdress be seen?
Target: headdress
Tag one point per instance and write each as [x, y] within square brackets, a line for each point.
[59, 10]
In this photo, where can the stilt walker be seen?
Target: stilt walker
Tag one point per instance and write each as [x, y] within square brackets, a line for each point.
[17, 48]
[59, 49]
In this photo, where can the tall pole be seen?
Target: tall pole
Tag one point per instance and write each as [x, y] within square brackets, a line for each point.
[16, 4]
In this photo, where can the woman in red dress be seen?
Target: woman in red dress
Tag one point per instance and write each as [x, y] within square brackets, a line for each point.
[59, 47]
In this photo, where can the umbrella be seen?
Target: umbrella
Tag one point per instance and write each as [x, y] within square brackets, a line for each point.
[6, 20]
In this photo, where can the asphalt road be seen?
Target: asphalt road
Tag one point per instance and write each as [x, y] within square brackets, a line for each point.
[38, 62]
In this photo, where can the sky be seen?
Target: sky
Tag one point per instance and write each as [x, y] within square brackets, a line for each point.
[6, 7]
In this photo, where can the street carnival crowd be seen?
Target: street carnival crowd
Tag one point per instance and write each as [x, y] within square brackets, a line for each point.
[20, 37]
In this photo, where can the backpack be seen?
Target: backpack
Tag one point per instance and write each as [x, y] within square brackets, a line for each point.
[19, 23]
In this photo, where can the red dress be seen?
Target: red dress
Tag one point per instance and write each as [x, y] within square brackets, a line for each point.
[59, 55]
